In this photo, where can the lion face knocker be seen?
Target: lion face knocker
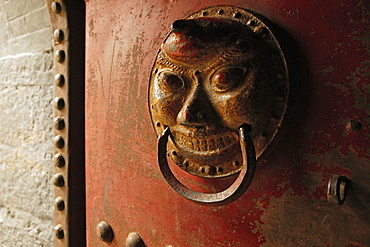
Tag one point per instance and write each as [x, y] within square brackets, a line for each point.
[218, 69]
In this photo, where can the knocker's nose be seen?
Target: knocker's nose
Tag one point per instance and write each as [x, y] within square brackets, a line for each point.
[192, 114]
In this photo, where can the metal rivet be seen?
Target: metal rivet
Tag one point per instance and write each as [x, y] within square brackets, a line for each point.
[59, 80]
[59, 141]
[60, 56]
[337, 189]
[251, 23]
[59, 160]
[237, 15]
[58, 230]
[185, 163]
[134, 240]
[354, 125]
[236, 163]
[260, 31]
[59, 103]
[58, 180]
[59, 203]
[105, 232]
[59, 123]
[58, 35]
[56, 7]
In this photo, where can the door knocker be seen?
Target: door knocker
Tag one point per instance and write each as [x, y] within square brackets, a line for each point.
[218, 95]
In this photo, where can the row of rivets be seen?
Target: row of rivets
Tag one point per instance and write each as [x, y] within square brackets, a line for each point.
[105, 233]
[59, 122]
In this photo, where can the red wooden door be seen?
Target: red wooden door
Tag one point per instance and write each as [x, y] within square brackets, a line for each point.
[327, 132]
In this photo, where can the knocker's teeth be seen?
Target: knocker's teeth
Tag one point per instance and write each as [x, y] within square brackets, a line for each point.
[211, 145]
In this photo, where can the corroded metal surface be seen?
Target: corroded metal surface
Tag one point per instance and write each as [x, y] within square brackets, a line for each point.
[219, 68]
[326, 47]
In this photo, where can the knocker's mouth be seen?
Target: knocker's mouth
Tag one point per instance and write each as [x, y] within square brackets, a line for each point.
[211, 145]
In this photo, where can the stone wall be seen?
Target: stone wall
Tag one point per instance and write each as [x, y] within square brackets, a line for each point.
[26, 150]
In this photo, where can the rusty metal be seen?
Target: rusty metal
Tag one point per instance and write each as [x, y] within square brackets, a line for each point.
[337, 187]
[134, 240]
[104, 231]
[230, 194]
[66, 18]
[219, 68]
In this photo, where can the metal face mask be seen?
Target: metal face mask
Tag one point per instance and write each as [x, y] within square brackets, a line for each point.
[216, 71]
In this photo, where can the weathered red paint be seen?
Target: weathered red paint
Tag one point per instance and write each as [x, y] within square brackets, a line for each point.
[327, 44]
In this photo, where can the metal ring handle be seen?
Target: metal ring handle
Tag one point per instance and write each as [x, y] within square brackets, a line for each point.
[232, 193]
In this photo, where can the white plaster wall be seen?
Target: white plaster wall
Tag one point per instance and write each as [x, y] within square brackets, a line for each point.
[26, 150]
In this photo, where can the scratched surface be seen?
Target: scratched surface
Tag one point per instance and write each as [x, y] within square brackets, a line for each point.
[327, 45]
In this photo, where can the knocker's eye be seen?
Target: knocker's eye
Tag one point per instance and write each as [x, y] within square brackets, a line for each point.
[169, 82]
[227, 78]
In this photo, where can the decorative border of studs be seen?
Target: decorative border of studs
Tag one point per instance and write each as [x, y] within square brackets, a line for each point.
[229, 195]
[59, 24]
[337, 187]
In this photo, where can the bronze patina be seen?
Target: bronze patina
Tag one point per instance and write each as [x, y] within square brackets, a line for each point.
[219, 68]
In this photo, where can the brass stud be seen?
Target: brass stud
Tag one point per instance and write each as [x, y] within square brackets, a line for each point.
[185, 163]
[59, 141]
[56, 7]
[59, 232]
[60, 56]
[134, 240]
[59, 203]
[59, 160]
[59, 80]
[105, 232]
[251, 23]
[58, 180]
[236, 163]
[237, 15]
[59, 123]
[58, 35]
[259, 31]
[59, 103]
